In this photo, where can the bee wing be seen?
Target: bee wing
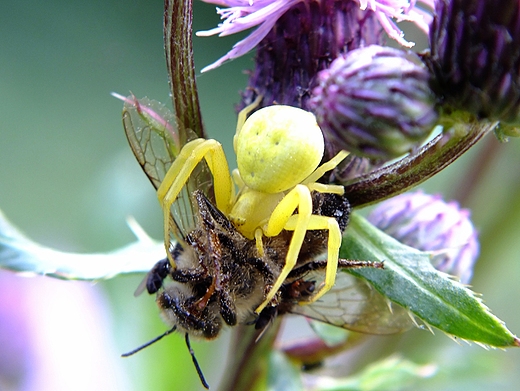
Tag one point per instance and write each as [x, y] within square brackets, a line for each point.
[151, 131]
[142, 285]
[354, 305]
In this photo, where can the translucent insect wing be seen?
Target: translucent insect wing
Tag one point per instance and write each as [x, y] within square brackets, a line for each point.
[155, 142]
[354, 305]
[150, 130]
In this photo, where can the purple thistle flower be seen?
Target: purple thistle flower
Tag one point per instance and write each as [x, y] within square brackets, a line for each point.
[304, 41]
[245, 14]
[428, 223]
[242, 15]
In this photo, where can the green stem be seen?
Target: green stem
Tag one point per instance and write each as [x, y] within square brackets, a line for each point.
[178, 45]
[414, 169]
[249, 358]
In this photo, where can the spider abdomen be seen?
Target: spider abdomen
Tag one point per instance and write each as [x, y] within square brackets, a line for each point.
[278, 147]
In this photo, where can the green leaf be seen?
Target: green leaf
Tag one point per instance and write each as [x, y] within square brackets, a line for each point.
[392, 373]
[410, 280]
[20, 254]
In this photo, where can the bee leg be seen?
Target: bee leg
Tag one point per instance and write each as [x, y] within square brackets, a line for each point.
[266, 317]
[227, 308]
[188, 276]
[262, 267]
[302, 271]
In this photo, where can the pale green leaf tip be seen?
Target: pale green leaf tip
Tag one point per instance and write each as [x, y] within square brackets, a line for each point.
[22, 255]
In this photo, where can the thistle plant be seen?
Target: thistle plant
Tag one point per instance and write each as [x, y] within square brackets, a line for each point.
[403, 116]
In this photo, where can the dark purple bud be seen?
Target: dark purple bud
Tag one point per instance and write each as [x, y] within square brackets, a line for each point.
[475, 57]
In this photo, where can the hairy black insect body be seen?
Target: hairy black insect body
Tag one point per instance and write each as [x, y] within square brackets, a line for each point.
[220, 278]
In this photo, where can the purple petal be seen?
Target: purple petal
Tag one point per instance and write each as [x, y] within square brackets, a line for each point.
[245, 14]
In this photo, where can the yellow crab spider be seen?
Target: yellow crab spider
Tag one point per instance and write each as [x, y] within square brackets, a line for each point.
[278, 151]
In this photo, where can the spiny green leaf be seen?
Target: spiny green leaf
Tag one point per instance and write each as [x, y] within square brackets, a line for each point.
[410, 280]
[20, 254]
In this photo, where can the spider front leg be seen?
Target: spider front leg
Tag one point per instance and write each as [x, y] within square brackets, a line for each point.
[283, 218]
[181, 169]
[334, 243]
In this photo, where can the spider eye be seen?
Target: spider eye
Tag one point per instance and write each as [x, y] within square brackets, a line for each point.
[278, 147]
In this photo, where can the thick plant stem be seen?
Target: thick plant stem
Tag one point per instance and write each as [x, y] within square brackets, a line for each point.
[414, 169]
[249, 359]
[178, 45]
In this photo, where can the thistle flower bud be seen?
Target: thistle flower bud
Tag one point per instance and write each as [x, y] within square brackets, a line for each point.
[375, 102]
[427, 223]
[305, 39]
[475, 57]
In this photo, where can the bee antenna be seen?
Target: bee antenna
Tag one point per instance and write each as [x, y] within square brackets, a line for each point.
[149, 342]
[196, 363]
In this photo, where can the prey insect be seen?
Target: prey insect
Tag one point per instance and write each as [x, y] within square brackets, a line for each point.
[244, 258]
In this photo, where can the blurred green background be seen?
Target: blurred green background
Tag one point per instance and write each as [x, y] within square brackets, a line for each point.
[69, 180]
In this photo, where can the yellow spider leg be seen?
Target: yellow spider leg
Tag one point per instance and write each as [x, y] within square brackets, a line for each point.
[323, 188]
[242, 117]
[327, 166]
[237, 179]
[334, 243]
[259, 242]
[178, 174]
[299, 197]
